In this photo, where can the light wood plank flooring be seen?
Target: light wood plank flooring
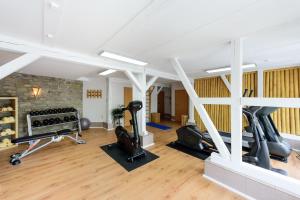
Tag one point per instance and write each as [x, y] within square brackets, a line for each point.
[66, 171]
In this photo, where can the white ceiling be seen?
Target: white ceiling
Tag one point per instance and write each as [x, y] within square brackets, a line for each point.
[196, 31]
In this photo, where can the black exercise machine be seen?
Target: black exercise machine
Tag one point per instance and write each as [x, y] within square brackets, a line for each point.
[190, 137]
[278, 148]
[130, 143]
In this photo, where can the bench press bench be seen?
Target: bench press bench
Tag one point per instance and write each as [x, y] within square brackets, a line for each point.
[34, 140]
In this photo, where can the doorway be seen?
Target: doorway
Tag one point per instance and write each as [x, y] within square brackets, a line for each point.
[161, 103]
[127, 99]
[181, 104]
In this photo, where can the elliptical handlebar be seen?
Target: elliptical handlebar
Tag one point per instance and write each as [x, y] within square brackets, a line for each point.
[246, 92]
[251, 92]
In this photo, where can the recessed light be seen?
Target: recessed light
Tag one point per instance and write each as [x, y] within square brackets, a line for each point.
[218, 70]
[50, 36]
[83, 79]
[122, 58]
[228, 68]
[106, 72]
[52, 4]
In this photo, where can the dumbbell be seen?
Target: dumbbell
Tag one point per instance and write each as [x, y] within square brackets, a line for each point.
[66, 119]
[73, 118]
[46, 122]
[37, 123]
[51, 121]
[59, 110]
[73, 109]
[58, 120]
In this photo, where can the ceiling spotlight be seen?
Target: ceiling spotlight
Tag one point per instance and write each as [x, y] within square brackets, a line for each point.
[50, 36]
[210, 71]
[106, 72]
[52, 4]
[121, 58]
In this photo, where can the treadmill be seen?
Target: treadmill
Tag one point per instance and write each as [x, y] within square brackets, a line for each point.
[278, 148]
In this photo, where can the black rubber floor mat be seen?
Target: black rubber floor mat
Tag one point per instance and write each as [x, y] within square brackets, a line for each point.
[120, 157]
[201, 155]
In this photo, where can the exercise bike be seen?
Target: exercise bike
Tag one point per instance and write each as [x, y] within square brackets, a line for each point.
[130, 143]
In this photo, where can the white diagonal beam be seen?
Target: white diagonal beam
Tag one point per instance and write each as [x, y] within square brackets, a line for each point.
[201, 110]
[134, 80]
[151, 81]
[226, 82]
[17, 64]
[158, 90]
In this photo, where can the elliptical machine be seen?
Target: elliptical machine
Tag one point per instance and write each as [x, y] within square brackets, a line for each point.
[130, 143]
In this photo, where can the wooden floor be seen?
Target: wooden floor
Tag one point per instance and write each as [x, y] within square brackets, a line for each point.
[66, 171]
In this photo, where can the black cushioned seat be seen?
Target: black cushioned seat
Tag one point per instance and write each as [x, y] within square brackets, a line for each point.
[34, 137]
[41, 136]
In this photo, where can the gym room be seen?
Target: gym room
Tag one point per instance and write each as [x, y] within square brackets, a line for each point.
[149, 99]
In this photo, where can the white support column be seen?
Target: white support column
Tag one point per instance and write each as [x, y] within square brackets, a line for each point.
[151, 81]
[236, 95]
[140, 94]
[260, 82]
[17, 64]
[191, 107]
[226, 82]
[109, 103]
[201, 110]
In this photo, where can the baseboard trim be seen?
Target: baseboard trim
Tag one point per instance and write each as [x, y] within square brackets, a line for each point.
[149, 145]
[227, 187]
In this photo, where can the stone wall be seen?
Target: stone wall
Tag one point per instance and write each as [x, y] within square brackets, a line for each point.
[55, 93]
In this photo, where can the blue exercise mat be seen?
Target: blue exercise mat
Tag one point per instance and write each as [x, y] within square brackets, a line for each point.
[159, 126]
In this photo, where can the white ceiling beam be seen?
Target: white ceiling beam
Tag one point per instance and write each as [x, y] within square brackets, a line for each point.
[17, 64]
[272, 102]
[14, 45]
[134, 80]
[151, 82]
[226, 82]
[217, 101]
[165, 75]
[213, 132]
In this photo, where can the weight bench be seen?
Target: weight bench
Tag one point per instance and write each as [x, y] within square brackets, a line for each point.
[34, 140]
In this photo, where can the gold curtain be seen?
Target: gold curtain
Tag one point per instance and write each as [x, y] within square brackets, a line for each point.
[214, 87]
[284, 83]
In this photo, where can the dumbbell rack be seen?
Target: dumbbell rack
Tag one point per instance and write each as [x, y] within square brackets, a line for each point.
[31, 117]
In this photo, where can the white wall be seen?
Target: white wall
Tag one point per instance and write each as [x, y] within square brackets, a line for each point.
[94, 108]
[116, 96]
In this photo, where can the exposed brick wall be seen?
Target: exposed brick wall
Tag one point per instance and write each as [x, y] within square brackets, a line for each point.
[55, 93]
